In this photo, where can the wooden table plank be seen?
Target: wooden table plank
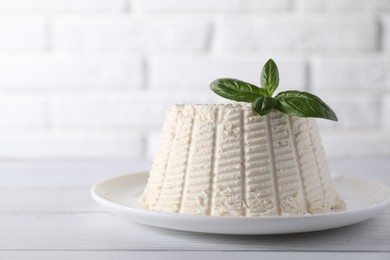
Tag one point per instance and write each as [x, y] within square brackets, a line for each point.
[100, 231]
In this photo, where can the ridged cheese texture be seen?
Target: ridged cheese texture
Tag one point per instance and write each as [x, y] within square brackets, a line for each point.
[225, 160]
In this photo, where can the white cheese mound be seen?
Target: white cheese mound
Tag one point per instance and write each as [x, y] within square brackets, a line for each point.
[225, 160]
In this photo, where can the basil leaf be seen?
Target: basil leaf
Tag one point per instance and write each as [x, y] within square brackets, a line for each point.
[264, 105]
[237, 90]
[264, 92]
[269, 77]
[303, 104]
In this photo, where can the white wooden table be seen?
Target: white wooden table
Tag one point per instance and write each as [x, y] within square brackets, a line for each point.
[46, 212]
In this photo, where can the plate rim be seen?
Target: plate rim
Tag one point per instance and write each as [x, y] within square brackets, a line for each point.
[121, 209]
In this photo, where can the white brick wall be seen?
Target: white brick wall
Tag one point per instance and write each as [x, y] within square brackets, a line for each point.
[22, 111]
[93, 78]
[369, 72]
[62, 144]
[356, 144]
[22, 33]
[69, 71]
[211, 6]
[63, 5]
[297, 33]
[198, 71]
[344, 5]
[125, 33]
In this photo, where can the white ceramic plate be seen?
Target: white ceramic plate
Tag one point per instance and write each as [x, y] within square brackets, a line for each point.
[364, 200]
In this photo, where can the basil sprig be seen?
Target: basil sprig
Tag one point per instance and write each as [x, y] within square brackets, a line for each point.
[291, 102]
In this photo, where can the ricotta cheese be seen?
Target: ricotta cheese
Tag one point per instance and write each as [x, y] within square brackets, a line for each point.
[225, 160]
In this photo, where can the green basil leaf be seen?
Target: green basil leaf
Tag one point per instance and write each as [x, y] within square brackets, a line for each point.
[264, 105]
[303, 104]
[264, 92]
[269, 77]
[237, 90]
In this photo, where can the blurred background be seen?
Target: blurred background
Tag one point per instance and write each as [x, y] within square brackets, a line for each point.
[91, 79]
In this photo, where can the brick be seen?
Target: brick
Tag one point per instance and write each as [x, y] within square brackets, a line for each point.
[352, 72]
[22, 111]
[344, 5]
[197, 72]
[63, 5]
[69, 71]
[117, 110]
[210, 6]
[121, 33]
[303, 33]
[67, 145]
[354, 111]
[386, 114]
[356, 144]
[22, 33]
